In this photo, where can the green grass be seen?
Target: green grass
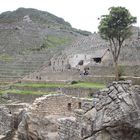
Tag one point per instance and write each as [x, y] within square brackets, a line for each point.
[40, 85]
[5, 57]
[54, 85]
[48, 85]
[89, 85]
[26, 92]
[4, 83]
[55, 41]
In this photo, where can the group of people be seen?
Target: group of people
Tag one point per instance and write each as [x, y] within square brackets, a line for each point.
[85, 71]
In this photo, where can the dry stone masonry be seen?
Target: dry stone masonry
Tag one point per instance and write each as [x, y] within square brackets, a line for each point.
[40, 119]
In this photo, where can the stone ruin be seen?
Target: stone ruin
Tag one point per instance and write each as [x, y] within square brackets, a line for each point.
[113, 114]
[40, 121]
[94, 51]
[27, 18]
[60, 63]
[95, 54]
[71, 58]
[69, 66]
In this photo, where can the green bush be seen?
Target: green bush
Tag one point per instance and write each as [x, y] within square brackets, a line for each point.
[74, 82]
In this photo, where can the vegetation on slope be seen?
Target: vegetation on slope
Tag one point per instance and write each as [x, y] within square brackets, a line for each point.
[55, 41]
[14, 91]
[5, 57]
[54, 88]
[59, 85]
[29, 38]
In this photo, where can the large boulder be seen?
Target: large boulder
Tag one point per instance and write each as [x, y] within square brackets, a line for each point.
[118, 113]
[36, 126]
[115, 115]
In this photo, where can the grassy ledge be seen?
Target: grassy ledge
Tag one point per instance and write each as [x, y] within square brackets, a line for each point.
[13, 91]
[54, 85]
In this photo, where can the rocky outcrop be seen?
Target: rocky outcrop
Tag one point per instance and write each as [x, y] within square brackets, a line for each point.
[115, 115]
[10, 118]
[6, 123]
[37, 126]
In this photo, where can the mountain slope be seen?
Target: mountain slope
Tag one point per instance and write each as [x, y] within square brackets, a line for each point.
[92, 53]
[29, 38]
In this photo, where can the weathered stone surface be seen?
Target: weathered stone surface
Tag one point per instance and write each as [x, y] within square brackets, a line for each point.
[36, 126]
[6, 123]
[114, 116]
[87, 106]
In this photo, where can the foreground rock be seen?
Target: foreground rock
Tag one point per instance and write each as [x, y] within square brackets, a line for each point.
[115, 116]
[10, 118]
[6, 123]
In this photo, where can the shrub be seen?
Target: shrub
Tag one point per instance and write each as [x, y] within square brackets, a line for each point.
[74, 82]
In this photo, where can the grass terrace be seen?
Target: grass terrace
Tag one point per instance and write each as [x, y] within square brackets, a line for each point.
[57, 85]
[5, 57]
[49, 88]
[88, 85]
[55, 41]
[14, 91]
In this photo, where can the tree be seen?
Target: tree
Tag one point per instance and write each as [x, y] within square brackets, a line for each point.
[116, 28]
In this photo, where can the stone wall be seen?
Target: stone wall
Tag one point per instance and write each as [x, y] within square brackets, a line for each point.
[20, 97]
[98, 73]
[109, 70]
[70, 127]
[57, 104]
[73, 91]
[60, 63]
[79, 92]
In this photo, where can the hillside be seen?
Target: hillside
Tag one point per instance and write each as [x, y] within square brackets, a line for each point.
[29, 38]
[36, 43]
[92, 52]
